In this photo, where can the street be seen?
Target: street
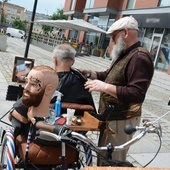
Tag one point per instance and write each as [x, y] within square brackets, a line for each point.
[155, 105]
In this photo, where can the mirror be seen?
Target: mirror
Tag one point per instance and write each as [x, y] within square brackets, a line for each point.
[21, 68]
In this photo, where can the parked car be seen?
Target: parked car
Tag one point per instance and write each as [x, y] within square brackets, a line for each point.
[13, 32]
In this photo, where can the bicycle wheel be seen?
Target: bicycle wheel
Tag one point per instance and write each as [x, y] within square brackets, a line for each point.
[3, 154]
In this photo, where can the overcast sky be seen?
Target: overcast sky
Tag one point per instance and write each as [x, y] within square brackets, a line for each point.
[43, 6]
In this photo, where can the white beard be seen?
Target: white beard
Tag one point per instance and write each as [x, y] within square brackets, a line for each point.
[118, 48]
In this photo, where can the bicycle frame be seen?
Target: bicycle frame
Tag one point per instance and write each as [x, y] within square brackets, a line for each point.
[65, 135]
[72, 136]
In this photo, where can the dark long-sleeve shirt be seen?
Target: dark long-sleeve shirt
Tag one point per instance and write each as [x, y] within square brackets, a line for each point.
[138, 75]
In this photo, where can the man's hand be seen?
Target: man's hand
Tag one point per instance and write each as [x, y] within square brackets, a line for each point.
[84, 72]
[88, 73]
[96, 85]
[100, 86]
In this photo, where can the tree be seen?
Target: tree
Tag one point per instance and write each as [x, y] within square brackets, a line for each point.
[59, 15]
[47, 29]
[18, 24]
[3, 17]
[5, 1]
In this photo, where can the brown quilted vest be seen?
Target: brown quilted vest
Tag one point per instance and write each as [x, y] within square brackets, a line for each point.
[116, 76]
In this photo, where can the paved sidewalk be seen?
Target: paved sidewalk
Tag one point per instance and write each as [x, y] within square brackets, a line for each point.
[154, 106]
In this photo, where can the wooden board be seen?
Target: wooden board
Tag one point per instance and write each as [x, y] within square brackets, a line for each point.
[89, 123]
[123, 168]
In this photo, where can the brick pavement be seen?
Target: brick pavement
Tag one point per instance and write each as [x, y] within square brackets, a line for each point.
[154, 106]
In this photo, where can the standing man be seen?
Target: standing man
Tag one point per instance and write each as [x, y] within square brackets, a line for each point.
[124, 84]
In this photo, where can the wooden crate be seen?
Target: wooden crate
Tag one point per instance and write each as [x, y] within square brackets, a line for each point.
[89, 123]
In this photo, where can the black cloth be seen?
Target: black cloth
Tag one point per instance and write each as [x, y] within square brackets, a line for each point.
[20, 108]
[71, 86]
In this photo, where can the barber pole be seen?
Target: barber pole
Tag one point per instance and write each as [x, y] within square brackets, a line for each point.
[10, 150]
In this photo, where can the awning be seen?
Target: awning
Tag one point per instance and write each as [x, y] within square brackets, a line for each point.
[79, 25]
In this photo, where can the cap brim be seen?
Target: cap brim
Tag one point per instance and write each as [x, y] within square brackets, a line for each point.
[109, 32]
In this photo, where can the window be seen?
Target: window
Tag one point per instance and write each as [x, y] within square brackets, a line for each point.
[131, 4]
[164, 3]
[12, 10]
[8, 16]
[146, 42]
[72, 5]
[20, 32]
[18, 11]
[165, 48]
[89, 4]
[13, 17]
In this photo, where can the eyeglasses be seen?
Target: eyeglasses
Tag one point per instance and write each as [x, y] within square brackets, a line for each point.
[114, 35]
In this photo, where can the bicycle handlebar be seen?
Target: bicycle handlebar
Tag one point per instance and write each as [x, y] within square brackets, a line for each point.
[63, 134]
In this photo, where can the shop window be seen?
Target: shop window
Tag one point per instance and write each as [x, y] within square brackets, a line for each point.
[147, 39]
[165, 49]
[157, 41]
[110, 22]
[131, 4]
[164, 3]
[141, 34]
[159, 30]
[93, 20]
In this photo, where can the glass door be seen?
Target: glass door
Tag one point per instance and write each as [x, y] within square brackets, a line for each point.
[155, 51]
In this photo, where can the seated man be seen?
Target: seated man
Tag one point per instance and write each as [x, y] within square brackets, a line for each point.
[71, 85]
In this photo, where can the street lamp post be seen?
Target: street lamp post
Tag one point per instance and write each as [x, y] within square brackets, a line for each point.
[30, 30]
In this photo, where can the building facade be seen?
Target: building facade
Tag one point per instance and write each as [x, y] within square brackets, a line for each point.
[37, 28]
[152, 16]
[12, 12]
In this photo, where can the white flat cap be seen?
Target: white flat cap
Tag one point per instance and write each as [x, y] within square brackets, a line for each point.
[125, 22]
